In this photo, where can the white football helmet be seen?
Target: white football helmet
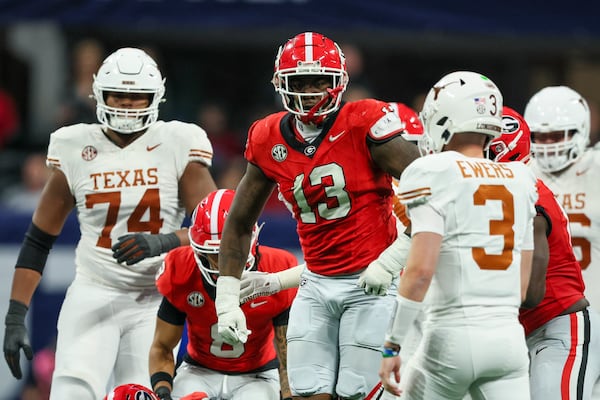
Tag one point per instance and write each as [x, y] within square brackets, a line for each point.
[460, 102]
[128, 70]
[558, 109]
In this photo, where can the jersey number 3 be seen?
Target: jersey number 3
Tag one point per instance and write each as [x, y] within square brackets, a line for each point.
[503, 227]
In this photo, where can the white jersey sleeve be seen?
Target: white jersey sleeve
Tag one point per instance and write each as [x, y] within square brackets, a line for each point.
[487, 210]
[125, 190]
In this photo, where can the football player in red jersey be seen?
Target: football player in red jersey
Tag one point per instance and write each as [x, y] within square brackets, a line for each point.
[187, 282]
[332, 164]
[562, 333]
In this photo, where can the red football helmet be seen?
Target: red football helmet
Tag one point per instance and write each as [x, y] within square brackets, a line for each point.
[208, 220]
[413, 128]
[131, 391]
[514, 144]
[310, 55]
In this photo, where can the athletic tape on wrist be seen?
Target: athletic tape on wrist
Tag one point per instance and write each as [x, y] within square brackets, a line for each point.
[406, 312]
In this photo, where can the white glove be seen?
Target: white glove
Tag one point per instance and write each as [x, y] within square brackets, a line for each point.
[255, 284]
[378, 276]
[232, 321]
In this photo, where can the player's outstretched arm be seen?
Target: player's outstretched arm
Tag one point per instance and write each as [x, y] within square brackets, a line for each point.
[378, 276]
[256, 284]
[135, 247]
[195, 183]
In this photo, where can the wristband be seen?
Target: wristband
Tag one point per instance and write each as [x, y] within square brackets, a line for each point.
[388, 352]
[290, 278]
[160, 376]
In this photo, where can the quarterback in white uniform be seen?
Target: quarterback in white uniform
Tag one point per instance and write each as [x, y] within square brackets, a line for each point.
[131, 179]
[471, 251]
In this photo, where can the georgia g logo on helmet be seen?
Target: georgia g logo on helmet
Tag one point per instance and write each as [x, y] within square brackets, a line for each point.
[510, 125]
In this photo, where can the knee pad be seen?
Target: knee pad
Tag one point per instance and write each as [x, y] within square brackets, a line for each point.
[304, 381]
[66, 387]
[351, 386]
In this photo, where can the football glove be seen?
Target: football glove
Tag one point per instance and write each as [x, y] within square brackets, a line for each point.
[231, 320]
[135, 247]
[16, 338]
[163, 393]
[378, 276]
[256, 284]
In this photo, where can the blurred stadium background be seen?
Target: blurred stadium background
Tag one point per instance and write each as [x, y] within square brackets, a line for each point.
[220, 53]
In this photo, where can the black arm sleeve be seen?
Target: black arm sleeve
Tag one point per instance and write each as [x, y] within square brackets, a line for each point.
[541, 211]
[168, 313]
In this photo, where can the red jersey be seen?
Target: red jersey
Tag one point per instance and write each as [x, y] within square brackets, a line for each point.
[182, 284]
[341, 200]
[564, 283]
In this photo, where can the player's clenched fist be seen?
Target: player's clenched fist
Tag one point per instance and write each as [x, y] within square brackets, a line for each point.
[232, 322]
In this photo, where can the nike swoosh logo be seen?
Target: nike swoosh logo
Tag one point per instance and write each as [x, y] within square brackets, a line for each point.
[150, 148]
[333, 138]
[260, 303]
[538, 351]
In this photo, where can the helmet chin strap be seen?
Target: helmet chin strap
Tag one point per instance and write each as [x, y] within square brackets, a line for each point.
[331, 95]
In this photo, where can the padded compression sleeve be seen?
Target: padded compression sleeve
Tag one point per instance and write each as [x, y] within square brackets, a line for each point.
[35, 248]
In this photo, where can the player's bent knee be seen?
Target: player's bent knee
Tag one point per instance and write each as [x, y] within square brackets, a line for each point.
[304, 382]
[64, 387]
[351, 386]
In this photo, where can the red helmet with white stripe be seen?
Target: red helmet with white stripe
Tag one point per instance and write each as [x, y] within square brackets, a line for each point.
[131, 391]
[310, 59]
[208, 220]
[514, 144]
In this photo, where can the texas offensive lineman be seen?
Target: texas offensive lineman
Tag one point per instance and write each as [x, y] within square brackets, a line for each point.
[131, 178]
[561, 329]
[559, 119]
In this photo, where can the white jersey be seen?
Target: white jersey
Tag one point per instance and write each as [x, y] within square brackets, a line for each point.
[577, 189]
[125, 190]
[487, 210]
